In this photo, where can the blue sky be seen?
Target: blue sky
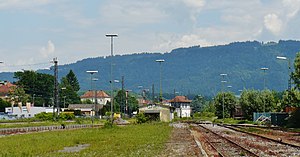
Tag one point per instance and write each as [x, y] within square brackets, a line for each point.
[33, 32]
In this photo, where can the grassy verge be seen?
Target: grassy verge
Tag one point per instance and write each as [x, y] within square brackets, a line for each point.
[12, 124]
[132, 140]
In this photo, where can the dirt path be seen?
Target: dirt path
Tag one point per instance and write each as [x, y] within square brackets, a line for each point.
[181, 143]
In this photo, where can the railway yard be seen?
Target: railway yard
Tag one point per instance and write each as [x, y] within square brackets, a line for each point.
[207, 139]
[230, 141]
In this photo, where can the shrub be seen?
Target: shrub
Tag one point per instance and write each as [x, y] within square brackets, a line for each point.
[66, 116]
[44, 116]
[141, 118]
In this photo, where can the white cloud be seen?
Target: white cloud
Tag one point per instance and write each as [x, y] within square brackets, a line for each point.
[198, 4]
[21, 4]
[49, 50]
[273, 23]
[292, 7]
[132, 13]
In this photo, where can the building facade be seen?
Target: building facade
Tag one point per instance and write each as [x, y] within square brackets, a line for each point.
[182, 106]
[100, 96]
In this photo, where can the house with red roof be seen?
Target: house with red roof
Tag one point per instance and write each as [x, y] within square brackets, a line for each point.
[99, 96]
[182, 106]
[5, 88]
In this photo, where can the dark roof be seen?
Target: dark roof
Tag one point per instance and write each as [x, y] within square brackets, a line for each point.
[81, 106]
[180, 99]
[91, 94]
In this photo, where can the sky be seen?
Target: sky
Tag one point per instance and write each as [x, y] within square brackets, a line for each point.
[33, 32]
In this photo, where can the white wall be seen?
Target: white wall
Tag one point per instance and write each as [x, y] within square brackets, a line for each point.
[23, 112]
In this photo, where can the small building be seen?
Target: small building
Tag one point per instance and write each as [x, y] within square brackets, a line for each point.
[182, 106]
[160, 112]
[27, 111]
[85, 109]
[100, 96]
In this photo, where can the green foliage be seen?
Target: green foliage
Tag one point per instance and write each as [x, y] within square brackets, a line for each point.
[120, 99]
[296, 73]
[132, 140]
[66, 116]
[256, 101]
[44, 116]
[4, 104]
[141, 118]
[38, 84]
[198, 103]
[72, 80]
[17, 94]
[291, 98]
[229, 104]
[69, 87]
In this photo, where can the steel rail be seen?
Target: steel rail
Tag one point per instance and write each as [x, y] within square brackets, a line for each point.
[257, 135]
[231, 142]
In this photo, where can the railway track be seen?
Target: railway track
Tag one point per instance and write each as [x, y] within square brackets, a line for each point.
[221, 146]
[284, 137]
[11, 131]
[255, 144]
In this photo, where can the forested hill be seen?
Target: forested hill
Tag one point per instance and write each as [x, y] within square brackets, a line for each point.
[194, 70]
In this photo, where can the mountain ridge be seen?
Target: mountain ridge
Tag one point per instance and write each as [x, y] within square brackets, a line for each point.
[194, 69]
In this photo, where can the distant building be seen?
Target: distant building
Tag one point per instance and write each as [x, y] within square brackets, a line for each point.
[101, 97]
[5, 88]
[182, 106]
[164, 113]
[85, 109]
[26, 111]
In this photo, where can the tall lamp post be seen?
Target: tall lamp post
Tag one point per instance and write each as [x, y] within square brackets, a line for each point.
[290, 72]
[160, 86]
[111, 36]
[223, 94]
[290, 76]
[95, 97]
[62, 89]
[264, 69]
[91, 72]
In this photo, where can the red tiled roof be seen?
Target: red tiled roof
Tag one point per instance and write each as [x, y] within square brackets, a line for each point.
[4, 89]
[180, 99]
[91, 94]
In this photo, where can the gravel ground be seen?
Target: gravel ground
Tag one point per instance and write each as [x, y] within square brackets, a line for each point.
[181, 143]
[258, 145]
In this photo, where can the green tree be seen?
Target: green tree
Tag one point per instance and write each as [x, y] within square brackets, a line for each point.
[132, 102]
[3, 105]
[72, 79]
[67, 94]
[36, 84]
[198, 103]
[17, 94]
[229, 104]
[257, 101]
[296, 73]
[291, 98]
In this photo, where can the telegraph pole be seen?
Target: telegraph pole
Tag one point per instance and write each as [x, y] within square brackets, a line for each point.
[55, 92]
[122, 99]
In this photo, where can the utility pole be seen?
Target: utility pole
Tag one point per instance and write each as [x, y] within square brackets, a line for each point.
[122, 96]
[55, 92]
[153, 94]
[112, 36]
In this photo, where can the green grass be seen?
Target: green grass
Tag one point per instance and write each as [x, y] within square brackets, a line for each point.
[12, 124]
[132, 140]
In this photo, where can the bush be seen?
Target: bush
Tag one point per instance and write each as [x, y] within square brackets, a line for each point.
[66, 116]
[141, 118]
[44, 116]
